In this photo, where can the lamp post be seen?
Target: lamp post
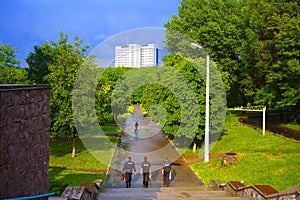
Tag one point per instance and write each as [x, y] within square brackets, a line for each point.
[206, 144]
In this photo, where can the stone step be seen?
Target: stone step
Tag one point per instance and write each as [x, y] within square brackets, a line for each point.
[165, 193]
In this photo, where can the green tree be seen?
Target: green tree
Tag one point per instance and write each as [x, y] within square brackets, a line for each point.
[167, 97]
[38, 62]
[62, 73]
[83, 96]
[109, 78]
[255, 45]
[10, 72]
[194, 72]
[7, 56]
[270, 52]
[13, 75]
[68, 58]
[214, 24]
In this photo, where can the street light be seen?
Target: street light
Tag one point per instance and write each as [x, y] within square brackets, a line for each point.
[206, 144]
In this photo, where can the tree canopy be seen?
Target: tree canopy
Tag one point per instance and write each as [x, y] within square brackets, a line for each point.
[38, 62]
[10, 71]
[7, 56]
[105, 88]
[57, 63]
[254, 43]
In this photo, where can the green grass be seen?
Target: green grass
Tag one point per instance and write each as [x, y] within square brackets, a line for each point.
[237, 137]
[105, 129]
[280, 171]
[86, 166]
[292, 125]
[272, 160]
[59, 179]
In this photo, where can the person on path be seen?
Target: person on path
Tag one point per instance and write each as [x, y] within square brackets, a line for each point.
[146, 172]
[136, 127]
[166, 170]
[128, 168]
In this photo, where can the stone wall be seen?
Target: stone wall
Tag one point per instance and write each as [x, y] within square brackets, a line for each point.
[24, 140]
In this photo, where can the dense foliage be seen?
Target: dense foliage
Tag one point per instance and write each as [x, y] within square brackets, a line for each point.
[10, 71]
[38, 62]
[254, 43]
[161, 89]
[105, 88]
[57, 63]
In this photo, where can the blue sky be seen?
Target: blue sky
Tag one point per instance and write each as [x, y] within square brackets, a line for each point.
[25, 23]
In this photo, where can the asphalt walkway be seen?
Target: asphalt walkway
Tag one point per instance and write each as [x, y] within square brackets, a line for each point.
[148, 141]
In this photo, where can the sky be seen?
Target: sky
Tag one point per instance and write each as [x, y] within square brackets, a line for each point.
[26, 23]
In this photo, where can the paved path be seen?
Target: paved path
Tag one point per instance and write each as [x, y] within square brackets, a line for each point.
[149, 141]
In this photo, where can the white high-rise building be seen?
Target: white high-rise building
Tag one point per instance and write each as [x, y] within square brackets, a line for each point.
[136, 55]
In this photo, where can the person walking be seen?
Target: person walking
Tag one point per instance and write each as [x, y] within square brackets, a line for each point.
[136, 129]
[136, 125]
[166, 170]
[128, 168]
[146, 172]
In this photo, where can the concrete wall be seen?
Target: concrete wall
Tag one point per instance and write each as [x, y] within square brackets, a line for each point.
[24, 140]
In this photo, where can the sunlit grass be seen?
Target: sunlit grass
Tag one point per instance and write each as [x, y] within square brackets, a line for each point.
[279, 171]
[292, 125]
[237, 137]
[93, 155]
[59, 179]
[273, 160]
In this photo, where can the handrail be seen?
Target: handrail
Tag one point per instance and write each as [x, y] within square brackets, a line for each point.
[33, 197]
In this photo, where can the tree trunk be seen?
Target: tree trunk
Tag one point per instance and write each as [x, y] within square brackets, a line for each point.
[74, 147]
[194, 147]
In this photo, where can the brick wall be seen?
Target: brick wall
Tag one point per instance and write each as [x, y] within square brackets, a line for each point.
[24, 140]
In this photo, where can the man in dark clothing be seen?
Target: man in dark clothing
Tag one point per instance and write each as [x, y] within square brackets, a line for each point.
[136, 127]
[128, 168]
[146, 172]
[166, 170]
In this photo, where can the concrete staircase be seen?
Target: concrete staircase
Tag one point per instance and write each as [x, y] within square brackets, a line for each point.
[166, 193]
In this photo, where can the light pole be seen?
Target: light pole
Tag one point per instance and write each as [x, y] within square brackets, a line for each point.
[206, 144]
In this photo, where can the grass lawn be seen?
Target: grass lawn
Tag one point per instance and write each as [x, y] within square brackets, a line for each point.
[273, 160]
[59, 179]
[67, 171]
[292, 125]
